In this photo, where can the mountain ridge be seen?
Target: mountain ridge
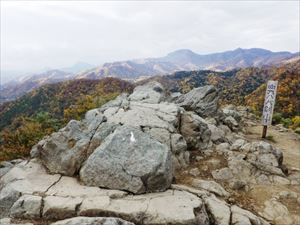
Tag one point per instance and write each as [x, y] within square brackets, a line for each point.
[186, 59]
[179, 60]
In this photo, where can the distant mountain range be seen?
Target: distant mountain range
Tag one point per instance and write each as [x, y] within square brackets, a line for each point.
[180, 60]
[12, 90]
[187, 60]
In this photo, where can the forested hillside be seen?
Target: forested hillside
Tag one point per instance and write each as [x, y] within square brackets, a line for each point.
[287, 107]
[48, 108]
[247, 87]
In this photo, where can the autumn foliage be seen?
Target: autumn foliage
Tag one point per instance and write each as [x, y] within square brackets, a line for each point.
[25, 121]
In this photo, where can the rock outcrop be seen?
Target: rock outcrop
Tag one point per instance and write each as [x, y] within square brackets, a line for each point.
[117, 165]
[28, 192]
[141, 165]
[202, 100]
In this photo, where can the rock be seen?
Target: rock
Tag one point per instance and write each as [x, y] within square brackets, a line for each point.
[230, 111]
[223, 147]
[281, 180]
[64, 197]
[236, 184]
[274, 210]
[94, 220]
[152, 92]
[199, 192]
[169, 214]
[92, 206]
[219, 211]
[120, 101]
[27, 206]
[69, 186]
[286, 220]
[8, 196]
[60, 207]
[194, 172]
[202, 100]
[241, 169]
[178, 144]
[8, 221]
[25, 178]
[288, 195]
[210, 186]
[144, 115]
[231, 123]
[65, 150]
[237, 144]
[263, 179]
[267, 168]
[195, 131]
[265, 148]
[152, 208]
[101, 132]
[161, 135]
[5, 166]
[217, 134]
[239, 217]
[222, 174]
[268, 159]
[174, 96]
[141, 165]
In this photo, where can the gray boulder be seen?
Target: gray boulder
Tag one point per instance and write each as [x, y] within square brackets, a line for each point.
[9, 221]
[231, 111]
[27, 206]
[195, 131]
[231, 123]
[152, 92]
[210, 186]
[129, 160]
[202, 100]
[64, 151]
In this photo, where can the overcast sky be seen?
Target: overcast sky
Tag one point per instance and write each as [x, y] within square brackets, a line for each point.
[36, 35]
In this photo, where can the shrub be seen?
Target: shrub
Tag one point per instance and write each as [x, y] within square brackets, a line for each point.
[296, 122]
[277, 117]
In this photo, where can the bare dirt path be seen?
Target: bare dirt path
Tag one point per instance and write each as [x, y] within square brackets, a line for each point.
[288, 142]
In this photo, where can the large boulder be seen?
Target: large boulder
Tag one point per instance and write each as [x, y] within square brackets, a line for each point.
[195, 130]
[202, 100]
[152, 92]
[64, 151]
[160, 120]
[129, 160]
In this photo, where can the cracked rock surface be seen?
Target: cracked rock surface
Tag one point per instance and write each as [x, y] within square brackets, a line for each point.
[142, 165]
[64, 197]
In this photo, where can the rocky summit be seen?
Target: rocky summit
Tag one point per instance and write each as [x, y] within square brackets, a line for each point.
[149, 157]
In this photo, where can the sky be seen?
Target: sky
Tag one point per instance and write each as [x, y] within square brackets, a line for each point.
[54, 34]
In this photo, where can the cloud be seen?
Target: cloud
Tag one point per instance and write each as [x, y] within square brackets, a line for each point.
[38, 34]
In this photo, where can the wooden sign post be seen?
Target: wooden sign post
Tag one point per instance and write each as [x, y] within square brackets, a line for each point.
[269, 105]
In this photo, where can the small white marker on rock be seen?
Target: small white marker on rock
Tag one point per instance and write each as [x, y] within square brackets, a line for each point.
[132, 139]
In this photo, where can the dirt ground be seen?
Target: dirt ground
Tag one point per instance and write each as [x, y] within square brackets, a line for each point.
[254, 198]
[288, 142]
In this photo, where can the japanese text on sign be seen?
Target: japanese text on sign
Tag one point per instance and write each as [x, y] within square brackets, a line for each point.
[269, 102]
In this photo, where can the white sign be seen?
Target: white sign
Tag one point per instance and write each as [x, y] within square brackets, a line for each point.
[269, 102]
